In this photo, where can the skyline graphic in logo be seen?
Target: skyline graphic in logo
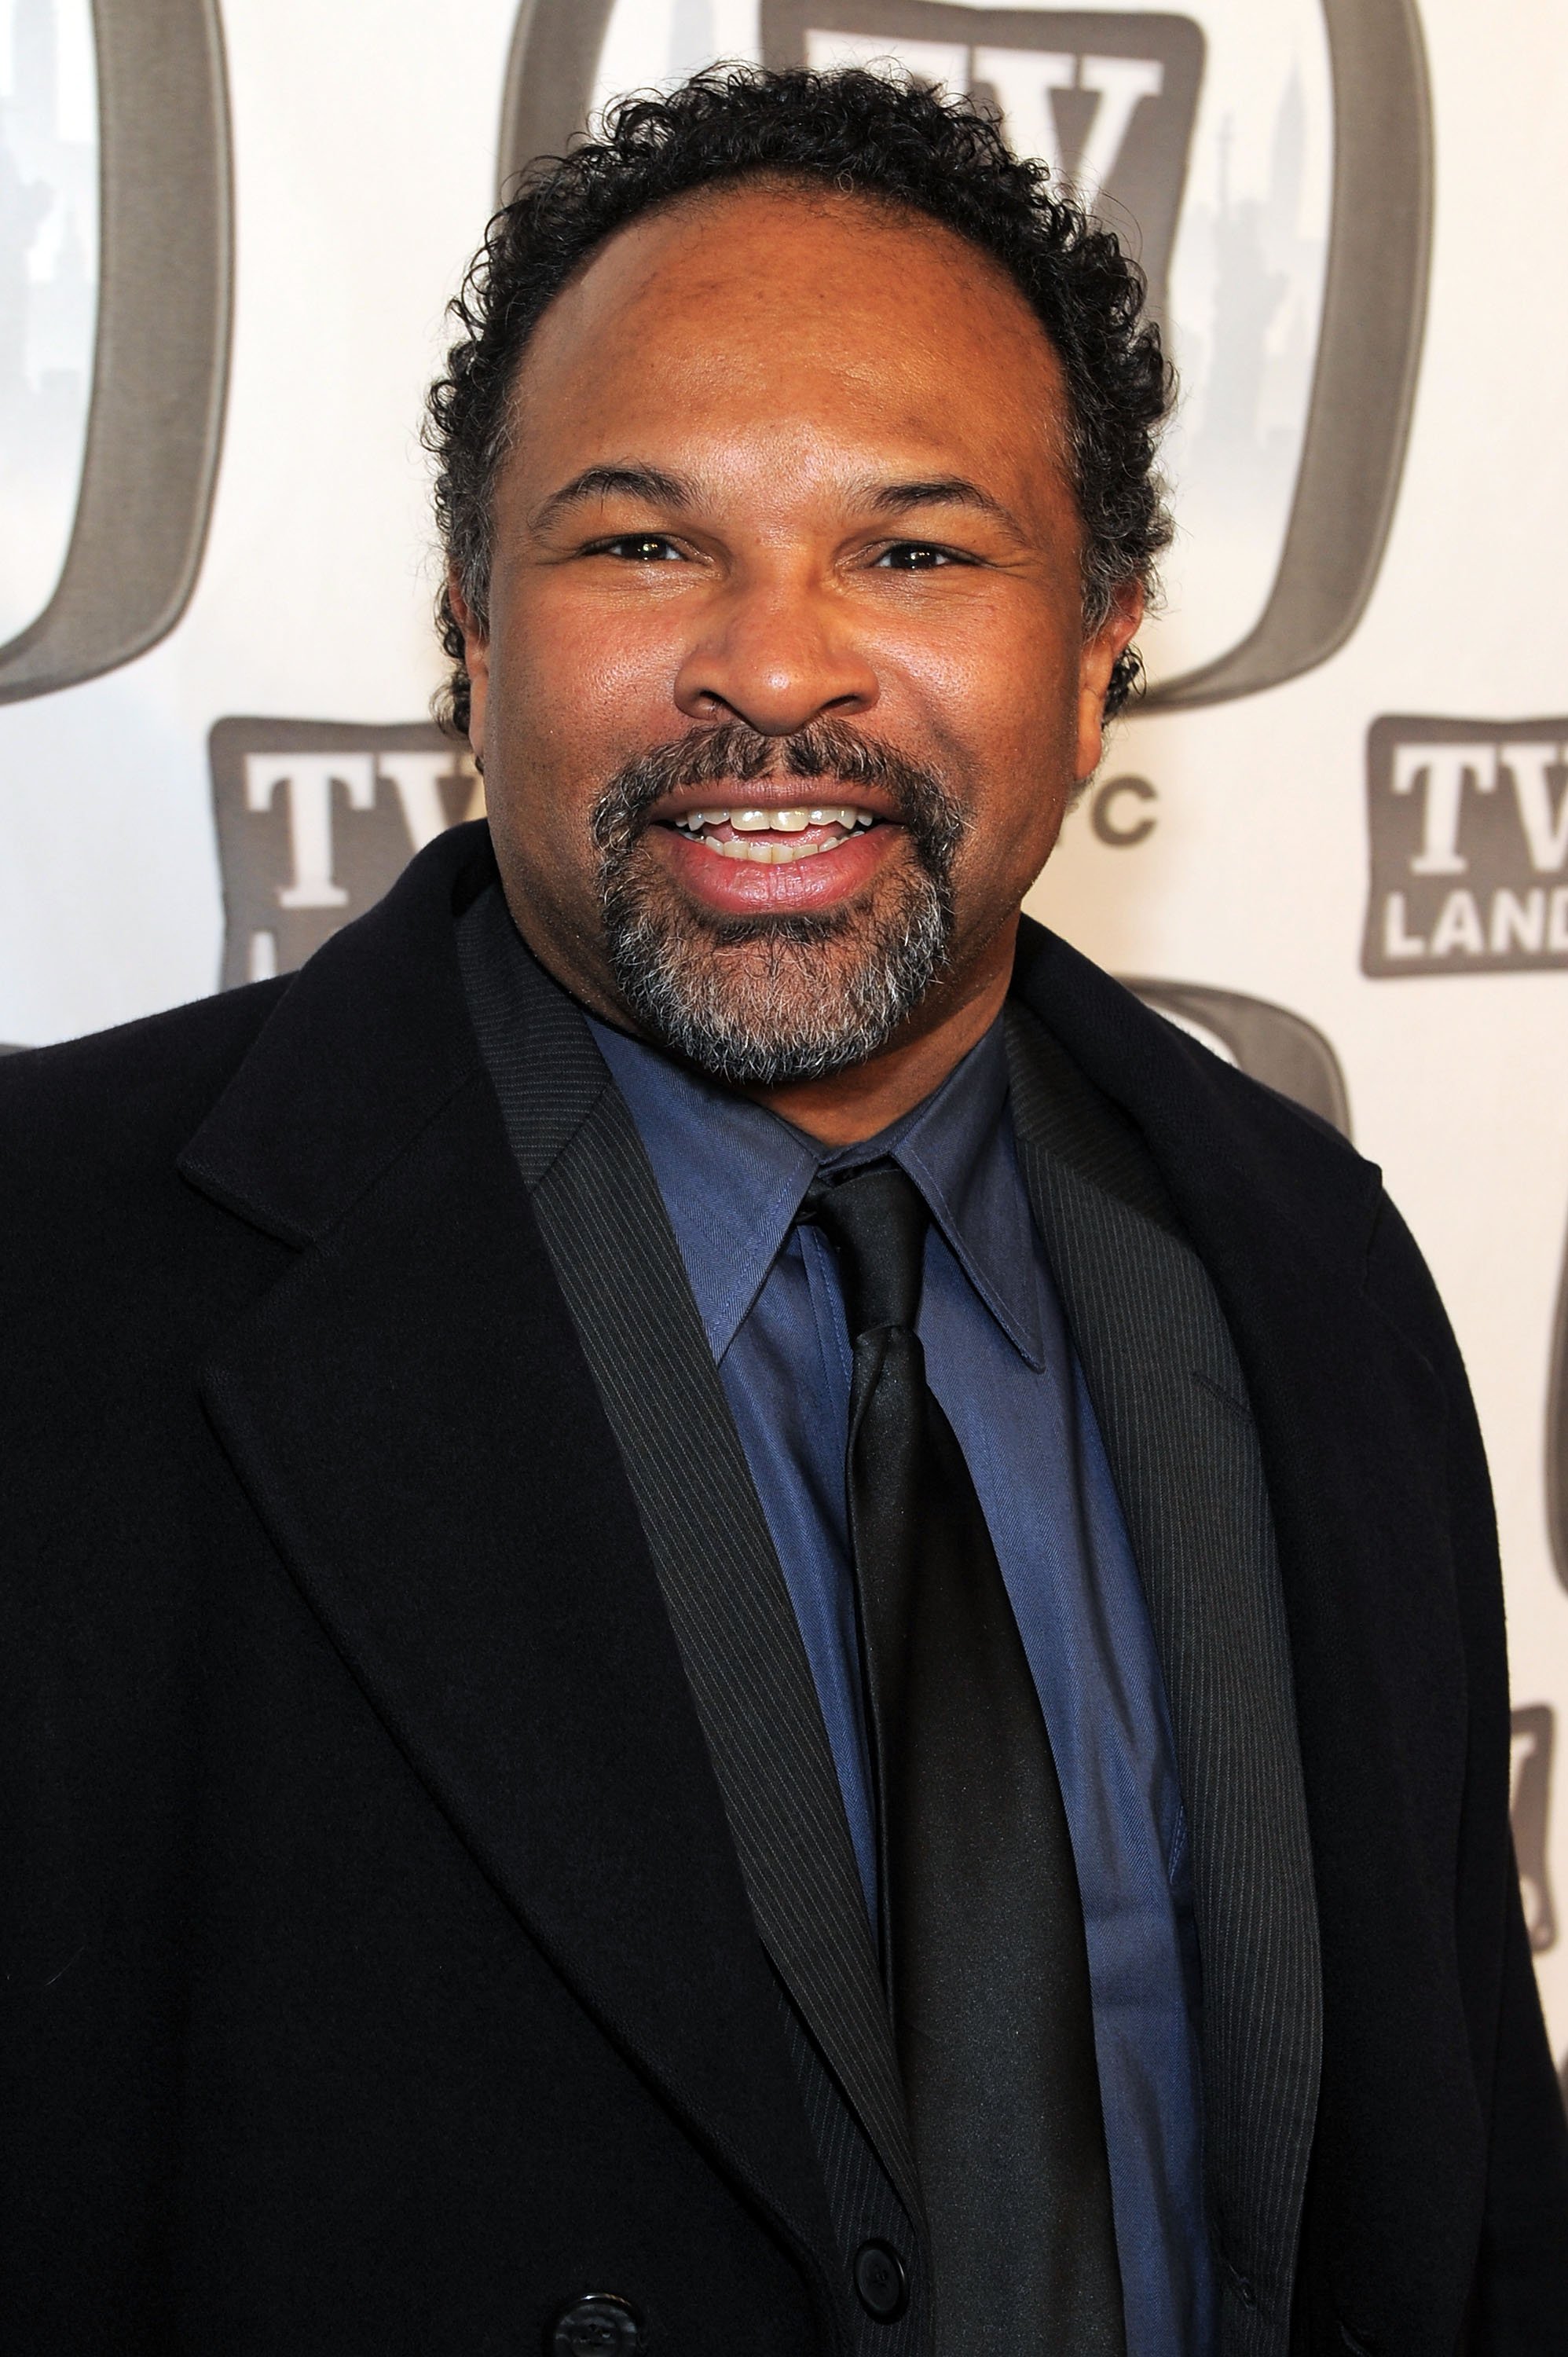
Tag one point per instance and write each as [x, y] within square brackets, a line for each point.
[1468, 833]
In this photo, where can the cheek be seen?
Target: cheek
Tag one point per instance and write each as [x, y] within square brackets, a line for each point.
[1014, 833]
[569, 703]
[578, 696]
[1014, 769]
[1001, 711]
[999, 671]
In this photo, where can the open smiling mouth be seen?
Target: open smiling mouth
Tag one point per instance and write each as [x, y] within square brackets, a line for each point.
[774, 838]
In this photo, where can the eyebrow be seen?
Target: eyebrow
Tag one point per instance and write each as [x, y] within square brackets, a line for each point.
[937, 492]
[605, 483]
[667, 490]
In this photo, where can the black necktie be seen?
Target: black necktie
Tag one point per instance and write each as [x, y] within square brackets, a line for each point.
[981, 1922]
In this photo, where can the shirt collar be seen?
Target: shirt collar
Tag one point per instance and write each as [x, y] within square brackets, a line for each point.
[732, 1177]
[958, 1148]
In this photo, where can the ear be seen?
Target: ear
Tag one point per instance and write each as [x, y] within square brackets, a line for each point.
[1096, 663]
[476, 659]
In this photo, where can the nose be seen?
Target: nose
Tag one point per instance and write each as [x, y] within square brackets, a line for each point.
[776, 653]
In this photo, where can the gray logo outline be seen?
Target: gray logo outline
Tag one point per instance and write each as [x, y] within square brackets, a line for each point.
[1533, 1746]
[161, 358]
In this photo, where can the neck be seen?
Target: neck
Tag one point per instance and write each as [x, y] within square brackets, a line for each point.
[860, 1102]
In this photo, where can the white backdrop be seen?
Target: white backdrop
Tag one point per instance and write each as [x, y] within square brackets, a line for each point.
[361, 151]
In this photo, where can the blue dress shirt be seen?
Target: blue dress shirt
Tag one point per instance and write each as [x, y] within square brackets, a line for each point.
[732, 1177]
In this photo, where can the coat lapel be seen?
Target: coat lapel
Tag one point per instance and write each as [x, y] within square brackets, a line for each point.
[412, 1416]
[1355, 1439]
[604, 1223]
[1185, 1458]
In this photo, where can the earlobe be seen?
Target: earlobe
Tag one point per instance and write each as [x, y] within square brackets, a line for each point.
[1090, 734]
[1099, 660]
[476, 662]
[478, 697]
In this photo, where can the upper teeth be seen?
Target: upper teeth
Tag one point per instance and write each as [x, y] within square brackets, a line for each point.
[782, 822]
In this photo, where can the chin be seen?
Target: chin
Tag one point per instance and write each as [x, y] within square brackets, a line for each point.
[762, 1002]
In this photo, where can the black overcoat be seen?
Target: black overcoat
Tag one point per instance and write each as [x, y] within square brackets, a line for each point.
[379, 1972]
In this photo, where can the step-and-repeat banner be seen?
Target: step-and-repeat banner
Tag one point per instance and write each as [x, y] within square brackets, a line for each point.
[1333, 840]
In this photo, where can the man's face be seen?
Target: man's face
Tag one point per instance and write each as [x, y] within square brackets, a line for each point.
[786, 686]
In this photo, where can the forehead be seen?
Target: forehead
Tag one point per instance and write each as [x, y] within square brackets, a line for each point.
[794, 321]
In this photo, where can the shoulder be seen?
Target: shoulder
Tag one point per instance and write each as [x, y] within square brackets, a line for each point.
[168, 1064]
[114, 1274]
[132, 1093]
[1256, 1178]
[1194, 1106]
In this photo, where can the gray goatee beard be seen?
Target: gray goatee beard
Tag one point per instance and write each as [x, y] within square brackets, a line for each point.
[757, 1002]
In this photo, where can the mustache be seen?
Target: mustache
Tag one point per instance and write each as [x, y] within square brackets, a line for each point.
[824, 748]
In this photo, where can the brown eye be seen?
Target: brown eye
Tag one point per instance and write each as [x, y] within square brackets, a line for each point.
[640, 548]
[917, 556]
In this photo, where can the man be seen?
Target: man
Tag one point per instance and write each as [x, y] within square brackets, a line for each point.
[738, 1619]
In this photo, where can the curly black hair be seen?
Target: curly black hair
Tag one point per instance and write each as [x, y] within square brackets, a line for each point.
[888, 137]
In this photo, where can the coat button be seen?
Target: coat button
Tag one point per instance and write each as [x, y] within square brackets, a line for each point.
[597, 2325]
[880, 2282]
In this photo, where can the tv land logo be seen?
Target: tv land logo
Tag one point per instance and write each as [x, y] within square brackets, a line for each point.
[316, 819]
[1107, 101]
[1468, 830]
